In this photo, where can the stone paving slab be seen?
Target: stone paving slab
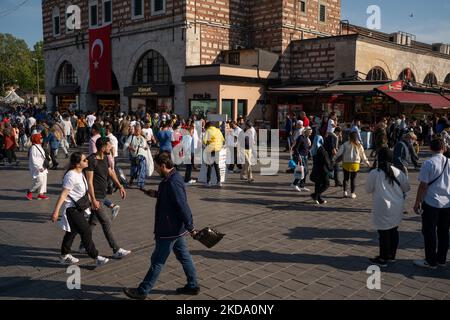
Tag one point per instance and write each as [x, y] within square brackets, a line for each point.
[278, 245]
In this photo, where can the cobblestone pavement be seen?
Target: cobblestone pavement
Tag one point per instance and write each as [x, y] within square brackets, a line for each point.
[278, 245]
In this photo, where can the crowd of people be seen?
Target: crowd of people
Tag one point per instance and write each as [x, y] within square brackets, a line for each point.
[395, 148]
[320, 149]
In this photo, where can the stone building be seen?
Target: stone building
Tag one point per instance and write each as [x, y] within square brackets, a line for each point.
[176, 36]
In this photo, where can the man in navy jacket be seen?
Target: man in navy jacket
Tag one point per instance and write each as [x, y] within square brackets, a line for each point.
[173, 221]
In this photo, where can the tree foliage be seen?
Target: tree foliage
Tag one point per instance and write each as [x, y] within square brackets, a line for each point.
[17, 66]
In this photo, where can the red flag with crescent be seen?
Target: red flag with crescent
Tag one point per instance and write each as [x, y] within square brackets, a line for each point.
[100, 59]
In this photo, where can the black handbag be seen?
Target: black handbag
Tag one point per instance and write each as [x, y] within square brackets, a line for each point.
[83, 203]
[209, 237]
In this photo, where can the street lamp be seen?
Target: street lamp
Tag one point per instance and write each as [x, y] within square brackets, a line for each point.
[37, 77]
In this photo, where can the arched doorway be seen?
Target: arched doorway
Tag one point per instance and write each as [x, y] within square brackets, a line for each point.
[407, 75]
[377, 74]
[66, 90]
[152, 88]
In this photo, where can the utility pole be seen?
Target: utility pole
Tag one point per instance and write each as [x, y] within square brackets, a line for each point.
[37, 77]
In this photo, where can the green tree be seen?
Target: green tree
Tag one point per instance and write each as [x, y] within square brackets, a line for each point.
[16, 64]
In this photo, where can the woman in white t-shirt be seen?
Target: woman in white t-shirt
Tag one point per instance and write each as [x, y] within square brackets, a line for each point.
[73, 222]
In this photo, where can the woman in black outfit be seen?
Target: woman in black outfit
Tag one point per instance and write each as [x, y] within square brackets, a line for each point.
[322, 167]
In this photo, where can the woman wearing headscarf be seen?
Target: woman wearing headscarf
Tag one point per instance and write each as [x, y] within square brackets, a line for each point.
[388, 185]
[137, 146]
[320, 173]
[38, 166]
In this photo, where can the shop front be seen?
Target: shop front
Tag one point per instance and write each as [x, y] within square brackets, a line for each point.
[66, 98]
[151, 98]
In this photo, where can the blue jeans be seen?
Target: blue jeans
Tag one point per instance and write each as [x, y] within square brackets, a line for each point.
[159, 258]
[139, 170]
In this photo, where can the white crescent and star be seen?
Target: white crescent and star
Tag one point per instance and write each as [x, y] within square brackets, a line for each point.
[97, 42]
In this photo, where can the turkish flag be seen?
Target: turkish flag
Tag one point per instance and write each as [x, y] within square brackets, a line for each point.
[100, 59]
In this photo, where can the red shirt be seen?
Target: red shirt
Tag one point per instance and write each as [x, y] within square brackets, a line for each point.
[305, 122]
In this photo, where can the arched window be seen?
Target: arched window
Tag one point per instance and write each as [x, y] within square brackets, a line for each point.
[56, 22]
[67, 74]
[377, 73]
[430, 80]
[447, 81]
[152, 68]
[407, 75]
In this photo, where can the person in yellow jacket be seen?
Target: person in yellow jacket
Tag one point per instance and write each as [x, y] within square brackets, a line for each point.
[352, 154]
[214, 141]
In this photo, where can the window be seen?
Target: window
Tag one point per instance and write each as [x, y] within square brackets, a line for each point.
[322, 13]
[228, 108]
[407, 75]
[447, 81]
[201, 108]
[137, 9]
[377, 73]
[303, 7]
[242, 108]
[158, 7]
[234, 58]
[152, 68]
[430, 80]
[56, 22]
[93, 14]
[67, 75]
[107, 11]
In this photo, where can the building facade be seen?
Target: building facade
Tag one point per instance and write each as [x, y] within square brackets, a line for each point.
[156, 43]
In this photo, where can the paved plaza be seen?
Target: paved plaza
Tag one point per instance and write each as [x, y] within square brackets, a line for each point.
[278, 245]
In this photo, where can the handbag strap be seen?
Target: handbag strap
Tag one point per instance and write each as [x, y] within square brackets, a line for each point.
[39, 151]
[443, 170]
[87, 190]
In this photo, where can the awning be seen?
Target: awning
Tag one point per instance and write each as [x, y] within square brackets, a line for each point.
[63, 90]
[436, 101]
[294, 89]
[351, 88]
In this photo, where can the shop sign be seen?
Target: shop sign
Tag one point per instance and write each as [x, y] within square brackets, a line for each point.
[148, 91]
[201, 96]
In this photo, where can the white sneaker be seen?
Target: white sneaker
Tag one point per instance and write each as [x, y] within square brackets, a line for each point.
[68, 259]
[100, 261]
[353, 196]
[192, 181]
[219, 185]
[423, 264]
[296, 188]
[121, 253]
[304, 189]
[115, 212]
[345, 194]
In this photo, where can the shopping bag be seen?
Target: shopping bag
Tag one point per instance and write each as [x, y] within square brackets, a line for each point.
[209, 237]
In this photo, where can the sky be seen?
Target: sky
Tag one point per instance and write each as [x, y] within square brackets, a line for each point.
[430, 20]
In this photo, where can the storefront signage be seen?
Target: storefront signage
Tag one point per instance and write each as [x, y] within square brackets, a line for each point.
[201, 96]
[148, 91]
[393, 86]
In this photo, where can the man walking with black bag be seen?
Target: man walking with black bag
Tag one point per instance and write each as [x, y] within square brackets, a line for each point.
[97, 174]
[173, 221]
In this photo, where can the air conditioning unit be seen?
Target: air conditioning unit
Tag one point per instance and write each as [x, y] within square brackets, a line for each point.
[402, 38]
[441, 48]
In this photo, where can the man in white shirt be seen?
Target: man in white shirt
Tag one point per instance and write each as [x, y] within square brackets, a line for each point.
[433, 203]
[90, 121]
